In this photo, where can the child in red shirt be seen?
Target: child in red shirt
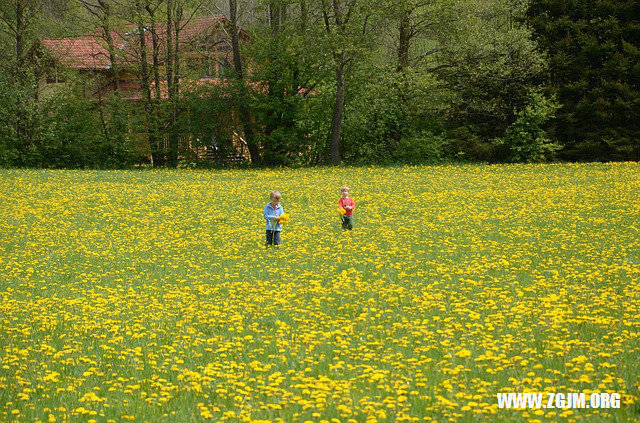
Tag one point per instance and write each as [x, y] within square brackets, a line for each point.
[349, 206]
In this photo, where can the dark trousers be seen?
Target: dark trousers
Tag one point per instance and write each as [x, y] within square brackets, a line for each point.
[273, 237]
[347, 222]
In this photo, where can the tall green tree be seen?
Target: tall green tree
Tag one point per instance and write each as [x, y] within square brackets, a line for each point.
[285, 64]
[241, 85]
[594, 71]
[348, 27]
[400, 102]
[462, 70]
[20, 24]
[492, 63]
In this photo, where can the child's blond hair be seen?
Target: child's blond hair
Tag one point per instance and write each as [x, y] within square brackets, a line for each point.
[345, 187]
[275, 194]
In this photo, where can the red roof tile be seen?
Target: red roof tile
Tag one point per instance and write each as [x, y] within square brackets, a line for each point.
[90, 51]
[84, 52]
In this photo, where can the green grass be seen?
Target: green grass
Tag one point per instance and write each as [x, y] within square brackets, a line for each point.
[149, 295]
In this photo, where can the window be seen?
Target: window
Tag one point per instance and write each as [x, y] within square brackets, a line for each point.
[193, 65]
[224, 68]
[208, 68]
[202, 67]
[54, 74]
[224, 43]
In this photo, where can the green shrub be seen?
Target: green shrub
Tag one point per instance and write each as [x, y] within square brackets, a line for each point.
[464, 144]
[525, 140]
[423, 147]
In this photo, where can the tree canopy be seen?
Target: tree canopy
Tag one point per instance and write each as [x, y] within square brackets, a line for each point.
[299, 82]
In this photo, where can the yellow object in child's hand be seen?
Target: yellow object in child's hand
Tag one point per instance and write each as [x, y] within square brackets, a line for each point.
[284, 218]
[341, 211]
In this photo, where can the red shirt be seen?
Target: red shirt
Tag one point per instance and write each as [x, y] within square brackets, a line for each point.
[347, 202]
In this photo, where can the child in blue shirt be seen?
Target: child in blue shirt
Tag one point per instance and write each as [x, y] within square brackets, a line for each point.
[272, 213]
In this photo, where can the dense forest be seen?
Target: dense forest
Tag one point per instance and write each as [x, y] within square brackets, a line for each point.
[312, 82]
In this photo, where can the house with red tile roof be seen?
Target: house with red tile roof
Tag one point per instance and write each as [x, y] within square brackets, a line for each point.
[205, 59]
[204, 50]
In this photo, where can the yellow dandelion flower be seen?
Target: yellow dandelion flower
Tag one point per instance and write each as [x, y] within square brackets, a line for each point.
[284, 219]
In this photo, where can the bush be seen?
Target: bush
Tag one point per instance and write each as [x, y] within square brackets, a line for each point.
[69, 132]
[525, 140]
[464, 144]
[423, 147]
[17, 117]
[61, 130]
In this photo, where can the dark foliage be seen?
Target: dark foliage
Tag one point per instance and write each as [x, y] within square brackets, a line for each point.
[594, 71]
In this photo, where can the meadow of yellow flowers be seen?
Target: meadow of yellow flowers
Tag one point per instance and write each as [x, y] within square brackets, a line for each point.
[149, 295]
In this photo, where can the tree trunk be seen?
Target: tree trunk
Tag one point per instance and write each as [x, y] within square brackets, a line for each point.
[274, 16]
[103, 120]
[171, 93]
[277, 15]
[157, 98]
[169, 64]
[20, 30]
[22, 129]
[144, 66]
[338, 111]
[304, 15]
[176, 51]
[245, 116]
[154, 53]
[156, 151]
[106, 29]
[404, 41]
[339, 27]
